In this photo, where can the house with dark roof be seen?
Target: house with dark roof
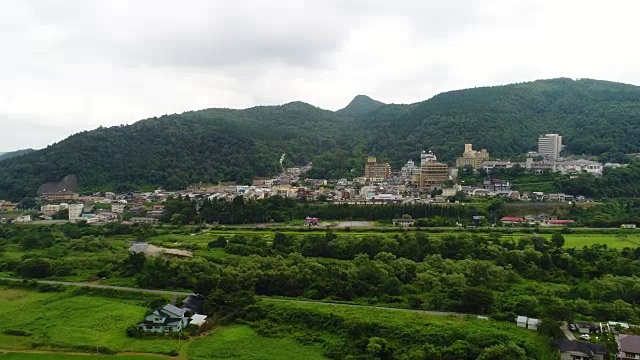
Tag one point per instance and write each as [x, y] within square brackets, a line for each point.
[578, 350]
[587, 327]
[192, 304]
[629, 347]
[166, 319]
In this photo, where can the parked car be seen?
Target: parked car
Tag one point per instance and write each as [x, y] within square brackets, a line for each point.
[573, 327]
[585, 336]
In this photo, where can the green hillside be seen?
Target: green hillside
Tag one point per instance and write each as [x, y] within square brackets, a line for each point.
[595, 117]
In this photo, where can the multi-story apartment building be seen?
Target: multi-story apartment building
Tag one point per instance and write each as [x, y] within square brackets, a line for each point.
[376, 172]
[49, 210]
[408, 170]
[433, 174]
[7, 206]
[472, 157]
[118, 208]
[549, 146]
[60, 196]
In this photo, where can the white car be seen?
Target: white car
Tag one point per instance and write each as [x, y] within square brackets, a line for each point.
[585, 336]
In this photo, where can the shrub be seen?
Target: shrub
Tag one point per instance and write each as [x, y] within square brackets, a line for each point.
[133, 331]
[14, 332]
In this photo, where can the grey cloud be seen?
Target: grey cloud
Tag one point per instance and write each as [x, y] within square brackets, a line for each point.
[206, 34]
[96, 62]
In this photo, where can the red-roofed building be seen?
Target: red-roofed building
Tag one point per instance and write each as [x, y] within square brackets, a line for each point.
[559, 222]
[512, 220]
[309, 221]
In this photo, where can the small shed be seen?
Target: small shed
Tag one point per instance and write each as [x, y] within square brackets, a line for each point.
[521, 321]
[198, 319]
[532, 324]
[193, 304]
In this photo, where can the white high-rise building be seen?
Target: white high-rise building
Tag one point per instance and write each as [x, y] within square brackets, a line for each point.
[549, 146]
[75, 212]
[408, 170]
[426, 157]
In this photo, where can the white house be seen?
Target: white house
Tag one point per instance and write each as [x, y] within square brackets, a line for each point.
[167, 319]
[23, 219]
[118, 208]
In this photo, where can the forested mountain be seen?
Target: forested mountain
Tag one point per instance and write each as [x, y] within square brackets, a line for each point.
[12, 154]
[595, 117]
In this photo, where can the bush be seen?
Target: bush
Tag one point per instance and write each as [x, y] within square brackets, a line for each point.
[14, 332]
[133, 331]
[50, 287]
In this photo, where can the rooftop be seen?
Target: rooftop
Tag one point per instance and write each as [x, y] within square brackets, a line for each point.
[630, 343]
[579, 346]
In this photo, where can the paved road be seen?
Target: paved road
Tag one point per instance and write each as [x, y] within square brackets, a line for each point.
[566, 332]
[438, 313]
[99, 286]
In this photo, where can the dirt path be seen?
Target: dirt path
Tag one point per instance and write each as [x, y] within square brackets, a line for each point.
[159, 356]
[99, 286]
[428, 312]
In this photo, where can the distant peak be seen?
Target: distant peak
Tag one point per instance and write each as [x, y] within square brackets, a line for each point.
[360, 105]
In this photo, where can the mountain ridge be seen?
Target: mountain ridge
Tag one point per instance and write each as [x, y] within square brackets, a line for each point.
[361, 105]
[16, 153]
[595, 118]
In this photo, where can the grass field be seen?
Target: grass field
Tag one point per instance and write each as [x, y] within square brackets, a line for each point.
[576, 240]
[612, 241]
[74, 322]
[66, 321]
[53, 356]
[243, 343]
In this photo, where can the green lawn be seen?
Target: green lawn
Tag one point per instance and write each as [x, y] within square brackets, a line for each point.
[52, 356]
[66, 321]
[242, 343]
[612, 241]
[576, 240]
[74, 322]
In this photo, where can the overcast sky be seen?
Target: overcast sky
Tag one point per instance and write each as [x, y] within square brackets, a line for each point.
[73, 65]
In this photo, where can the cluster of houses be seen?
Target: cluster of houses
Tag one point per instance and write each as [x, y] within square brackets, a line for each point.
[98, 208]
[567, 167]
[628, 346]
[581, 348]
[414, 183]
[536, 220]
